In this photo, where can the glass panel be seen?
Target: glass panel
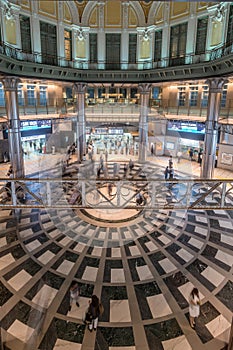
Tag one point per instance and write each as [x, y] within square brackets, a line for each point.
[31, 95]
[20, 95]
[48, 37]
[113, 49]
[132, 48]
[158, 45]
[43, 95]
[93, 47]
[230, 26]
[2, 95]
[178, 40]
[25, 33]
[201, 35]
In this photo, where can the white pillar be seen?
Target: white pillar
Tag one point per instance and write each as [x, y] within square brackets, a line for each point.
[125, 36]
[211, 132]
[191, 35]
[144, 90]
[80, 89]
[14, 134]
[101, 37]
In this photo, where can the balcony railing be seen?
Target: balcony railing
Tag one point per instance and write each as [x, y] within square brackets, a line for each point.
[98, 108]
[45, 59]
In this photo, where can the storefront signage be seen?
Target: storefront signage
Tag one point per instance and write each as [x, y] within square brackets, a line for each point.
[226, 158]
[192, 127]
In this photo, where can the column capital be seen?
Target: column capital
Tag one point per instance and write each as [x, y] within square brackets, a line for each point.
[10, 83]
[80, 88]
[144, 88]
[216, 84]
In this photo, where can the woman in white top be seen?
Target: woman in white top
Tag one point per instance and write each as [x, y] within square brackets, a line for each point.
[194, 306]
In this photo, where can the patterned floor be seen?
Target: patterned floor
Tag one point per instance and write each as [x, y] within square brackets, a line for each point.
[143, 271]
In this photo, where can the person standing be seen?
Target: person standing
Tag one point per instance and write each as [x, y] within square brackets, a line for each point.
[191, 154]
[74, 294]
[95, 310]
[166, 172]
[194, 306]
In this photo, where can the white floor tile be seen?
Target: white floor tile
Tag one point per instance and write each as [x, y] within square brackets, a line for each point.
[144, 272]
[20, 331]
[227, 239]
[119, 311]
[201, 219]
[225, 224]
[46, 257]
[184, 254]
[66, 345]
[134, 250]
[117, 276]
[115, 236]
[97, 251]
[194, 242]
[3, 241]
[6, 260]
[54, 233]
[26, 233]
[201, 231]
[116, 252]
[102, 235]
[79, 247]
[127, 235]
[45, 296]
[19, 280]
[90, 273]
[186, 289]
[218, 325]
[167, 265]
[33, 245]
[65, 241]
[79, 312]
[151, 246]
[224, 257]
[164, 239]
[179, 343]
[158, 306]
[65, 267]
[213, 276]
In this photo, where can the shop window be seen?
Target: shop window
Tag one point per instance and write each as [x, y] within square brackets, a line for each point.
[133, 92]
[31, 95]
[91, 92]
[123, 92]
[193, 96]
[68, 44]
[2, 96]
[20, 95]
[43, 95]
[204, 96]
[101, 91]
[224, 97]
[181, 96]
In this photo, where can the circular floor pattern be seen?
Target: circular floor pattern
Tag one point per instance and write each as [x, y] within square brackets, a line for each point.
[142, 271]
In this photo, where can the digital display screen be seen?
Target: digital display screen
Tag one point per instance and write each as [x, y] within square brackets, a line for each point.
[192, 127]
[34, 124]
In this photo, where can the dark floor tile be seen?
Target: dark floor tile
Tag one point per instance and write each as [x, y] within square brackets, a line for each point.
[226, 295]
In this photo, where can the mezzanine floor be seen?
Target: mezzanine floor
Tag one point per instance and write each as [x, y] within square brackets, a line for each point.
[143, 271]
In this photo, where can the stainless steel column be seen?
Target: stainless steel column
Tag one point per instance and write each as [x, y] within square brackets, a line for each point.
[211, 133]
[14, 136]
[80, 89]
[144, 90]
